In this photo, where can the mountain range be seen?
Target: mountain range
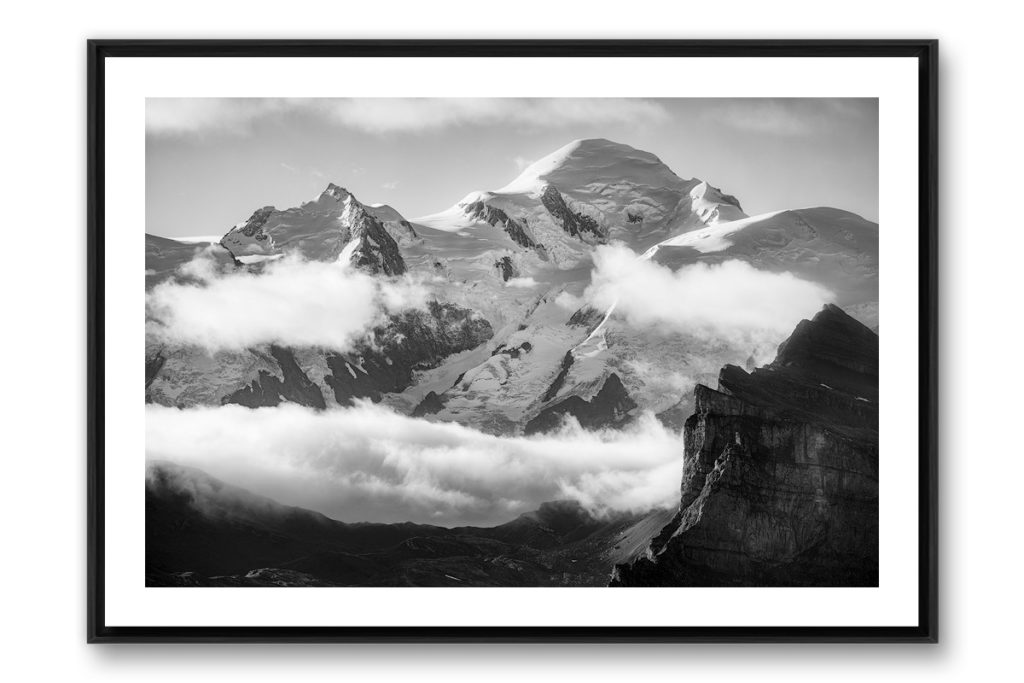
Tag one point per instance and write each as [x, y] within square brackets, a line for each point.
[779, 483]
[508, 344]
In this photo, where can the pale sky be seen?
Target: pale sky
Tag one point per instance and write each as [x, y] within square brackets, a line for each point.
[211, 162]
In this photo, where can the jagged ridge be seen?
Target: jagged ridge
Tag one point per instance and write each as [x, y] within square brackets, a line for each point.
[320, 230]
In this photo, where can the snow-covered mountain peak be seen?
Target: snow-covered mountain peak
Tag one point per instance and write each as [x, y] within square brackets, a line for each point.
[337, 192]
[595, 160]
[329, 199]
[588, 192]
[322, 229]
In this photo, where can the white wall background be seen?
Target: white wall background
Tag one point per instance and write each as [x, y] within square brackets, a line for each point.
[42, 176]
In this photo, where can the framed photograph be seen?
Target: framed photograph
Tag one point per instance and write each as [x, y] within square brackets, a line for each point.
[512, 341]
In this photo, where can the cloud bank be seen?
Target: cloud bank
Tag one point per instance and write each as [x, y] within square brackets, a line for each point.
[180, 116]
[292, 302]
[731, 301]
[368, 463]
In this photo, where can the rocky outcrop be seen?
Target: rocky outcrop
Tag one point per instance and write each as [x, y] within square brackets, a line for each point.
[559, 381]
[431, 403]
[254, 226]
[269, 390]
[609, 408]
[377, 251]
[517, 232]
[414, 340]
[574, 223]
[491, 215]
[588, 317]
[153, 364]
[780, 481]
[513, 351]
[505, 268]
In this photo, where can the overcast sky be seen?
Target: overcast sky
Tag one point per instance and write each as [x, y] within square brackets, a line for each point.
[211, 162]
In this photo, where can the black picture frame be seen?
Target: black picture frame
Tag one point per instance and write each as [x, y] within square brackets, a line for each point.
[925, 51]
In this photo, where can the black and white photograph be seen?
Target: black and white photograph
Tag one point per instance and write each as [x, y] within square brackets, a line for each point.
[511, 342]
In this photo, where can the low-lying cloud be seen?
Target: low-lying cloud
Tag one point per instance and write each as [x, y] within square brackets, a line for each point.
[731, 301]
[291, 302]
[177, 116]
[369, 463]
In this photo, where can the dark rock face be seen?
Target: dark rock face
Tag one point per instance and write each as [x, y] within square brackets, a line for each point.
[609, 408]
[573, 222]
[414, 340]
[505, 268]
[513, 351]
[780, 483]
[588, 317]
[518, 233]
[495, 216]
[153, 365]
[563, 372]
[269, 390]
[431, 403]
[377, 251]
[254, 226]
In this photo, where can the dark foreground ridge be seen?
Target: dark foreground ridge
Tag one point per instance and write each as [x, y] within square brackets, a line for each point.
[203, 532]
[780, 484]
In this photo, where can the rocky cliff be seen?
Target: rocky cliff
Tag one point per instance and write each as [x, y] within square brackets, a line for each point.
[780, 481]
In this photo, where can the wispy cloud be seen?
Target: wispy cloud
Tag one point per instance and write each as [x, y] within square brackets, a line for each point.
[289, 167]
[176, 116]
[370, 463]
[787, 117]
[731, 302]
[291, 302]
[390, 185]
